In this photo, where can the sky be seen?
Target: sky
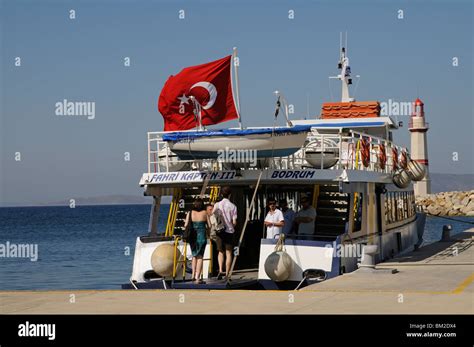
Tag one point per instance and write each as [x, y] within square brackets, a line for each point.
[82, 59]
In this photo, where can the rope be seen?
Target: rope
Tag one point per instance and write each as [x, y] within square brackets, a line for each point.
[356, 197]
[273, 141]
[330, 90]
[229, 275]
[272, 166]
[204, 185]
[280, 243]
[455, 220]
[357, 155]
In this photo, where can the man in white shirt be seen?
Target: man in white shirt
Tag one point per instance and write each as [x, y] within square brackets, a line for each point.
[274, 221]
[225, 239]
[289, 216]
[305, 218]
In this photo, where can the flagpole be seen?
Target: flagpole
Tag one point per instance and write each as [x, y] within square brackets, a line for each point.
[197, 111]
[234, 55]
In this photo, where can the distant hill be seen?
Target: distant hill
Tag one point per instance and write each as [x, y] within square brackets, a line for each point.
[439, 183]
[105, 200]
[110, 200]
[451, 182]
[96, 200]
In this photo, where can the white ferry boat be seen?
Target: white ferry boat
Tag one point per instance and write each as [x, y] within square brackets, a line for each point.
[355, 176]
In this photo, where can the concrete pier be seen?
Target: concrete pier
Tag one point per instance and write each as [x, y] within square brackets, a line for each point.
[437, 279]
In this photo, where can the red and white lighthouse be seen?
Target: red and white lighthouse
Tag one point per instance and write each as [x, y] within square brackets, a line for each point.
[419, 146]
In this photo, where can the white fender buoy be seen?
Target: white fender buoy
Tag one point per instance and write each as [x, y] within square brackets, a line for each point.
[401, 179]
[162, 259]
[278, 266]
[416, 171]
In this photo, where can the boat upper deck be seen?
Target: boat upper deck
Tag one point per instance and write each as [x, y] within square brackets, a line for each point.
[344, 156]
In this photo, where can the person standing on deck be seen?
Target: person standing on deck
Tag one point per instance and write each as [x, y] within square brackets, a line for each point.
[198, 216]
[212, 222]
[305, 218]
[225, 238]
[274, 221]
[289, 216]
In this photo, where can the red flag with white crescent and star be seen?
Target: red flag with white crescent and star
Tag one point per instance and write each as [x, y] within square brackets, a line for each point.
[210, 84]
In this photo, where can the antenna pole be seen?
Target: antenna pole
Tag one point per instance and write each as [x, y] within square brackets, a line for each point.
[307, 105]
[345, 75]
[346, 43]
[345, 71]
[340, 42]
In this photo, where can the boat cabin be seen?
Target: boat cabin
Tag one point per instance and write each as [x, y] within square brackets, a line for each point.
[355, 199]
[344, 162]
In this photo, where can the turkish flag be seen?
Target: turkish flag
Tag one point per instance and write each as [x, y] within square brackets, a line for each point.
[210, 84]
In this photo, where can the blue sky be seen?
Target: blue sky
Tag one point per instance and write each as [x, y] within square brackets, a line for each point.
[82, 60]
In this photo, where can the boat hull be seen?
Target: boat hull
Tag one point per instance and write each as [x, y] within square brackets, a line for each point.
[330, 256]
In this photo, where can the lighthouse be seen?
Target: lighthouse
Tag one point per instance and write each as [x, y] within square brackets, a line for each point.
[419, 147]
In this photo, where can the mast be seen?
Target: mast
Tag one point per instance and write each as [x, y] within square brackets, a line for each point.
[197, 112]
[345, 75]
[234, 56]
[285, 103]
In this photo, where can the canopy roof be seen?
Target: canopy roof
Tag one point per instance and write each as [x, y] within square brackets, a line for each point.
[348, 122]
[180, 135]
[353, 109]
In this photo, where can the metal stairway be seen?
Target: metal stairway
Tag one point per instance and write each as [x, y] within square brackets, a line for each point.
[182, 203]
[332, 212]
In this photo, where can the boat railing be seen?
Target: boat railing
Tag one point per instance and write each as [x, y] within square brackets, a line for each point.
[321, 151]
[351, 153]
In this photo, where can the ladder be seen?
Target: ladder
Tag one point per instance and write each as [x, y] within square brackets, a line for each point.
[181, 203]
[332, 211]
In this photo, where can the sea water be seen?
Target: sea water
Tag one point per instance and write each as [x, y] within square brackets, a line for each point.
[90, 247]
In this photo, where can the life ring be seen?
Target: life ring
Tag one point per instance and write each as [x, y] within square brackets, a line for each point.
[382, 156]
[404, 160]
[365, 152]
[394, 158]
